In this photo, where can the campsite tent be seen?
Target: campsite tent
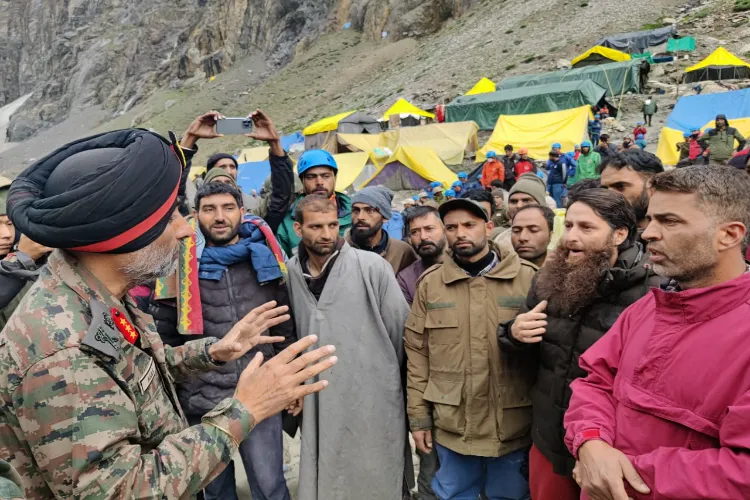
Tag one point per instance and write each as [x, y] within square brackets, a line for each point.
[483, 86]
[638, 41]
[682, 44]
[322, 134]
[485, 109]
[616, 78]
[409, 113]
[700, 111]
[720, 65]
[411, 168]
[449, 140]
[538, 132]
[599, 55]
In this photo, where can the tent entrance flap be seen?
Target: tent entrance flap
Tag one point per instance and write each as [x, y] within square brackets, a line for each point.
[397, 177]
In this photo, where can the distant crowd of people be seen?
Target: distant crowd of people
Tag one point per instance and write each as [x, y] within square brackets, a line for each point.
[558, 331]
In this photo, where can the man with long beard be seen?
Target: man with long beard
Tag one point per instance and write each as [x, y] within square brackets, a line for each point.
[597, 270]
[371, 207]
[628, 173]
[463, 392]
[88, 405]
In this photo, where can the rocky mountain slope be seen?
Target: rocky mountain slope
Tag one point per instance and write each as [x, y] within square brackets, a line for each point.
[70, 54]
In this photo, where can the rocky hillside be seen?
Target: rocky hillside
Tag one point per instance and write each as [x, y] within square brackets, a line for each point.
[71, 54]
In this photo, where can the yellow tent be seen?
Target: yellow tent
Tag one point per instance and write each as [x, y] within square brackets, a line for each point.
[539, 131]
[599, 55]
[719, 65]
[253, 154]
[404, 107]
[351, 166]
[449, 140]
[483, 86]
[326, 124]
[411, 168]
[196, 172]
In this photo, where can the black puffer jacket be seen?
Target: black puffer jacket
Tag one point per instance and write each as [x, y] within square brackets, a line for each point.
[566, 339]
[224, 303]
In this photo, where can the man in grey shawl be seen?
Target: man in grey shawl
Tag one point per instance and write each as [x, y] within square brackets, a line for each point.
[354, 434]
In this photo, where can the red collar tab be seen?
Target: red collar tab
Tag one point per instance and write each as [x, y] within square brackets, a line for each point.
[127, 330]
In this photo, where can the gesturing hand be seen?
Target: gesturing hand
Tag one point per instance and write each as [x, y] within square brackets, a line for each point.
[246, 333]
[266, 389]
[530, 326]
[601, 469]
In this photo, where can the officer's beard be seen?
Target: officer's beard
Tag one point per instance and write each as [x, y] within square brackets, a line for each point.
[157, 260]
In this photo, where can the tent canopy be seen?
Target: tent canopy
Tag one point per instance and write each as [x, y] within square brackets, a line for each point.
[411, 168]
[719, 65]
[599, 55]
[260, 153]
[326, 124]
[538, 132]
[449, 140]
[404, 107]
[700, 111]
[359, 123]
[485, 109]
[251, 175]
[483, 86]
[353, 170]
[682, 44]
[616, 78]
[638, 41]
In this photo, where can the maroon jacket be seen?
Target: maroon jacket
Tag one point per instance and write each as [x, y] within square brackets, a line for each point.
[407, 279]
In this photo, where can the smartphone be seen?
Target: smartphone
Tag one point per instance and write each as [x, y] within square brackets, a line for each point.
[234, 126]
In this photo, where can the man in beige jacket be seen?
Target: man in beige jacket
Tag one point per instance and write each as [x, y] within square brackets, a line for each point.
[461, 389]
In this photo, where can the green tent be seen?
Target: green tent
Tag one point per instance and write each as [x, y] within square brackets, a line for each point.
[617, 78]
[683, 44]
[485, 109]
[646, 56]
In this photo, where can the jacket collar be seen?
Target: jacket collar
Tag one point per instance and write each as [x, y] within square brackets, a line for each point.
[630, 269]
[507, 269]
[703, 304]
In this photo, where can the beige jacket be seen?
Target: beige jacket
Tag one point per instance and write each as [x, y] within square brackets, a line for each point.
[459, 383]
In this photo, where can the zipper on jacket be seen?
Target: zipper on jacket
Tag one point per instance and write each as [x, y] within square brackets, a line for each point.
[235, 319]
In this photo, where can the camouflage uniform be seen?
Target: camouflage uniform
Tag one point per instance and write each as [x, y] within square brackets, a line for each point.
[85, 414]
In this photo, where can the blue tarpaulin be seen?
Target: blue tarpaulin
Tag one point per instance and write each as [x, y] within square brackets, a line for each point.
[395, 226]
[252, 175]
[697, 110]
[288, 141]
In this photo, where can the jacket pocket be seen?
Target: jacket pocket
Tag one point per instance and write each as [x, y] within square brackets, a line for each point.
[414, 334]
[444, 391]
[514, 421]
[443, 326]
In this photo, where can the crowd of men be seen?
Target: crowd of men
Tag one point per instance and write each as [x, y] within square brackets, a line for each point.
[172, 328]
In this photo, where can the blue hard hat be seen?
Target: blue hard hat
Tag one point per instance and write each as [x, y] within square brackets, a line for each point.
[639, 136]
[316, 158]
[639, 123]
[577, 146]
[491, 154]
[415, 198]
[586, 144]
[450, 192]
[597, 115]
[686, 135]
[463, 175]
[557, 145]
[457, 183]
[435, 184]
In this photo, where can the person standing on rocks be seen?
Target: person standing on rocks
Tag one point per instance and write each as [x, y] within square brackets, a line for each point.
[557, 176]
[466, 399]
[371, 207]
[354, 438]
[597, 270]
[718, 142]
[595, 129]
[649, 109]
[509, 159]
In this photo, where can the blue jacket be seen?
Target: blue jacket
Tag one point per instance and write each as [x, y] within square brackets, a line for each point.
[558, 172]
[595, 127]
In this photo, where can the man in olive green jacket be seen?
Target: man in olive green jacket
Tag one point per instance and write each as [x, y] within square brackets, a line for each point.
[718, 142]
[461, 389]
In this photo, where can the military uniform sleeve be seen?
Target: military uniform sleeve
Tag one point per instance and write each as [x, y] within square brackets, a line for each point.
[418, 410]
[190, 359]
[83, 428]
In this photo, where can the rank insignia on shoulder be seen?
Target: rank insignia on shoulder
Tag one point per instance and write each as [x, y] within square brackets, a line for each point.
[102, 335]
[127, 330]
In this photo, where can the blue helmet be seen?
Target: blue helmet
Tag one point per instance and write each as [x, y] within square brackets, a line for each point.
[577, 146]
[639, 123]
[415, 198]
[450, 193]
[586, 144]
[316, 158]
[491, 154]
[435, 184]
[463, 175]
[686, 135]
[597, 115]
[457, 184]
[557, 145]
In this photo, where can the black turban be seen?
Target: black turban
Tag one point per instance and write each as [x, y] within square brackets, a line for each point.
[109, 193]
